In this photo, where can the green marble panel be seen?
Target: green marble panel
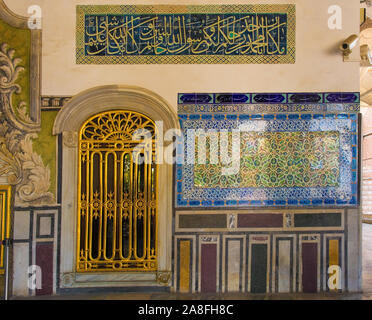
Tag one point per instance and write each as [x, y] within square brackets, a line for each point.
[202, 221]
[45, 145]
[317, 220]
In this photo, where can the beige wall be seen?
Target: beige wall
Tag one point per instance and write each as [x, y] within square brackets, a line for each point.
[367, 141]
[367, 160]
[318, 67]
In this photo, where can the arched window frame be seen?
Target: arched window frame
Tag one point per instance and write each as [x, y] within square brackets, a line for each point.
[68, 122]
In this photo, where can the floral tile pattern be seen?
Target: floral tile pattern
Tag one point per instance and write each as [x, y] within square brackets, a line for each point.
[286, 159]
[276, 160]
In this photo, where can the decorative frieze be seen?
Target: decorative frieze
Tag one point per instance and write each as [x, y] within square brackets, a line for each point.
[163, 277]
[70, 139]
[54, 102]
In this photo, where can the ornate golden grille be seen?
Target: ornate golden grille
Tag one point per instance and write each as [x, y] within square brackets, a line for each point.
[117, 218]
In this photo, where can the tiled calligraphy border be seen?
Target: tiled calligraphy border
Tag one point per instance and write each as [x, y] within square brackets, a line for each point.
[289, 58]
[269, 102]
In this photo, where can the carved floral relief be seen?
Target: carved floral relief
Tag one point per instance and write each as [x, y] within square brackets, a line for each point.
[19, 164]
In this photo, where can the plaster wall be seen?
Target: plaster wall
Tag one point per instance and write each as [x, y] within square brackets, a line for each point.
[319, 65]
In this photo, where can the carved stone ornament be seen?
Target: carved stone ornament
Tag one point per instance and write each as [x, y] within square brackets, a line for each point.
[67, 279]
[19, 164]
[70, 139]
[163, 277]
[208, 239]
[288, 220]
[232, 221]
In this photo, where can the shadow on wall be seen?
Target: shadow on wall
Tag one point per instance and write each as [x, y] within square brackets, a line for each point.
[2, 283]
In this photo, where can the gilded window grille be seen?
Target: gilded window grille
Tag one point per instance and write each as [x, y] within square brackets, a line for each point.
[117, 207]
[5, 205]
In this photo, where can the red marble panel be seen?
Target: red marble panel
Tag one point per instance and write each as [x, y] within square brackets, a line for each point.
[309, 267]
[208, 267]
[44, 259]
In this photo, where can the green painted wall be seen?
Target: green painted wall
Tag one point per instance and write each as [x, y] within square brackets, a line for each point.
[45, 146]
[20, 41]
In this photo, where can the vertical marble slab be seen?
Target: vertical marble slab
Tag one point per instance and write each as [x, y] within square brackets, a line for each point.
[21, 263]
[45, 248]
[284, 263]
[258, 268]
[21, 224]
[44, 259]
[333, 255]
[354, 250]
[309, 267]
[233, 266]
[284, 266]
[184, 264]
[185, 251]
[208, 267]
[333, 252]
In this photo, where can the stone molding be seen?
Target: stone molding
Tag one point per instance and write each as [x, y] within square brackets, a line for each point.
[68, 123]
[114, 97]
[70, 139]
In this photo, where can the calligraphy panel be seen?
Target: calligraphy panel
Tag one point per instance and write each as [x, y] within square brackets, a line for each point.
[185, 34]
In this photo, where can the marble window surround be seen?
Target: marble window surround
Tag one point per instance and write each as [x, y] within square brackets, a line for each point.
[68, 123]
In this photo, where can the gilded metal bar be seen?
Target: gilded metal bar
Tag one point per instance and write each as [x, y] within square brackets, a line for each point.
[3, 236]
[101, 200]
[144, 207]
[135, 210]
[126, 203]
[91, 199]
[105, 213]
[155, 211]
[87, 213]
[120, 191]
[131, 208]
[96, 202]
[78, 240]
[5, 199]
[148, 197]
[114, 231]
